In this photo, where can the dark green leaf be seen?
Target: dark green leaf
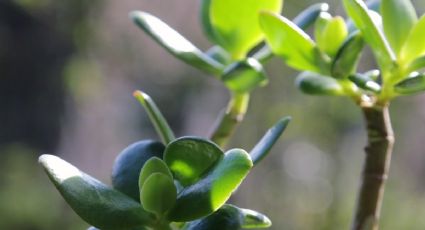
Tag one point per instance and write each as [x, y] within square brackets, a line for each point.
[175, 43]
[244, 76]
[127, 165]
[156, 117]
[417, 64]
[411, 85]
[263, 147]
[189, 158]
[153, 165]
[415, 45]
[312, 83]
[158, 193]
[219, 54]
[365, 82]
[213, 190]
[347, 58]
[93, 201]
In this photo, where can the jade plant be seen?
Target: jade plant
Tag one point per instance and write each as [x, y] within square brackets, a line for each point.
[329, 64]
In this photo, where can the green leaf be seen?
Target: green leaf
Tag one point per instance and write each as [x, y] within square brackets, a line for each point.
[189, 158]
[230, 217]
[156, 117]
[93, 201]
[263, 147]
[233, 25]
[289, 42]
[175, 43]
[347, 57]
[127, 165]
[153, 165]
[244, 76]
[316, 84]
[158, 193]
[417, 64]
[361, 16]
[415, 45]
[365, 82]
[411, 85]
[219, 54]
[213, 190]
[332, 35]
[398, 18]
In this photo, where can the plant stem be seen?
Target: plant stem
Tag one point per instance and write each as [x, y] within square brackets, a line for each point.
[230, 119]
[376, 167]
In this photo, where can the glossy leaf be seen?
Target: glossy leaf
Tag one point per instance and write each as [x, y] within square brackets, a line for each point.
[244, 76]
[219, 54]
[332, 35]
[93, 201]
[127, 165]
[175, 43]
[347, 58]
[361, 16]
[158, 193]
[417, 64]
[230, 217]
[156, 117]
[364, 82]
[398, 18]
[189, 158]
[316, 84]
[415, 45]
[289, 42]
[213, 190]
[411, 85]
[153, 165]
[262, 148]
[234, 25]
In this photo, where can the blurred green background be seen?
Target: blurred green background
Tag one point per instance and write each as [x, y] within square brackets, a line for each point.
[67, 73]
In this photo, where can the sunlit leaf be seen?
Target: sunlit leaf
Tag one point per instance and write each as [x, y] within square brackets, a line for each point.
[312, 83]
[175, 43]
[158, 193]
[417, 64]
[244, 76]
[189, 158]
[93, 201]
[411, 85]
[346, 60]
[330, 34]
[127, 165]
[213, 190]
[153, 165]
[415, 45]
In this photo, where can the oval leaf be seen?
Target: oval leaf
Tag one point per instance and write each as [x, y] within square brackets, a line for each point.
[175, 43]
[347, 58]
[189, 158]
[417, 64]
[316, 84]
[127, 165]
[212, 191]
[244, 76]
[415, 45]
[235, 25]
[158, 193]
[93, 201]
[365, 82]
[331, 37]
[153, 165]
[411, 85]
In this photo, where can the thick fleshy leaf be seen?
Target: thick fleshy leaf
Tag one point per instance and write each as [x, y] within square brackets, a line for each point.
[316, 84]
[398, 18]
[332, 35]
[93, 201]
[262, 148]
[175, 43]
[219, 54]
[189, 158]
[415, 45]
[411, 85]
[136, 228]
[127, 165]
[213, 190]
[158, 193]
[347, 58]
[365, 82]
[156, 117]
[417, 64]
[363, 20]
[244, 76]
[153, 165]
[289, 42]
[230, 217]
[234, 25]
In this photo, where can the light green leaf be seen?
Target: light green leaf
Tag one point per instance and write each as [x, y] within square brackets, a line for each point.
[365, 82]
[233, 25]
[417, 64]
[411, 85]
[93, 201]
[398, 18]
[347, 57]
[175, 43]
[153, 165]
[415, 45]
[244, 76]
[213, 190]
[230, 217]
[361, 16]
[156, 117]
[189, 158]
[158, 194]
[262, 148]
[127, 166]
[289, 42]
[332, 35]
[316, 84]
